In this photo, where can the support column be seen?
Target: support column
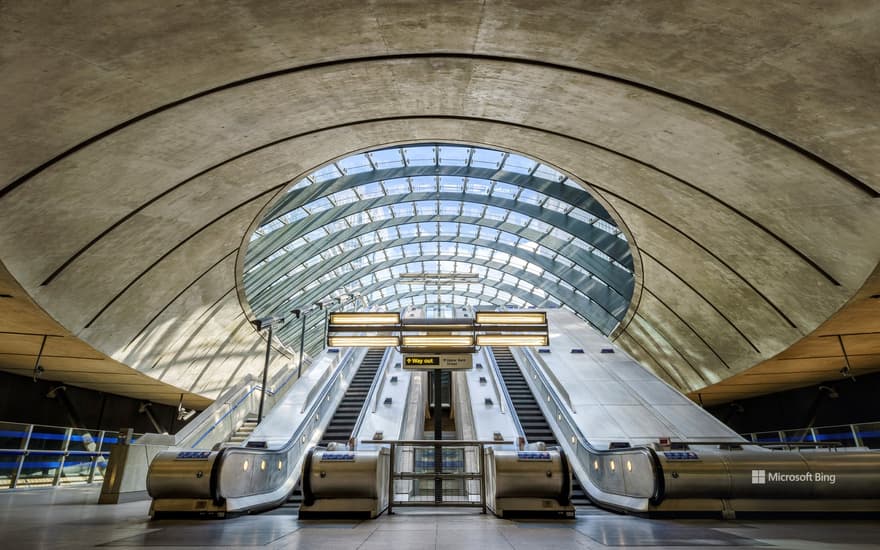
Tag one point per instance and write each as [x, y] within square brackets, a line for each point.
[438, 434]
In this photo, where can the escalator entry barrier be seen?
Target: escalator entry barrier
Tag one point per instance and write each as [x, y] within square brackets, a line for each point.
[532, 482]
[341, 482]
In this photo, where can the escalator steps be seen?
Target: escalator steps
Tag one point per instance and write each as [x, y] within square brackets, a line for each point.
[344, 418]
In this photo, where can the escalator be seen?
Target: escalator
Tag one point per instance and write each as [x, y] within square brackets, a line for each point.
[534, 425]
[340, 428]
[346, 415]
[256, 478]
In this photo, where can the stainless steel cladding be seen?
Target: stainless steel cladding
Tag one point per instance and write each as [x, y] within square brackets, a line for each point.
[181, 474]
[711, 473]
[516, 476]
[526, 482]
[630, 473]
[345, 482]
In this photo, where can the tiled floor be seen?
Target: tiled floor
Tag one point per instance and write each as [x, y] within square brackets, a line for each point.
[70, 518]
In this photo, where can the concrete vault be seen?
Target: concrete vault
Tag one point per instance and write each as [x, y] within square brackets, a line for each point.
[143, 142]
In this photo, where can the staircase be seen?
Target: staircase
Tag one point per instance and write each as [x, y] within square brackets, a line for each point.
[529, 413]
[243, 432]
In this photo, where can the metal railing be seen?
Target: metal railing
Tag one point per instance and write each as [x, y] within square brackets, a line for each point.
[34, 455]
[865, 434]
[416, 478]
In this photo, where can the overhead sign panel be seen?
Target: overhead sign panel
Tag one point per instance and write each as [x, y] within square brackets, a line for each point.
[464, 361]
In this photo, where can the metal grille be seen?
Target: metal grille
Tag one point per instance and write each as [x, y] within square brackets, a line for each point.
[437, 473]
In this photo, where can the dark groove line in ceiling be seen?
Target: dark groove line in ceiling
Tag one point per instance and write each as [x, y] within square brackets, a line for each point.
[698, 293]
[40, 334]
[179, 294]
[693, 240]
[671, 346]
[865, 188]
[208, 310]
[169, 252]
[840, 356]
[632, 338]
[692, 329]
[171, 189]
[53, 356]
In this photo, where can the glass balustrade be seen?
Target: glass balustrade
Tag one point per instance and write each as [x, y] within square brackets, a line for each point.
[33, 455]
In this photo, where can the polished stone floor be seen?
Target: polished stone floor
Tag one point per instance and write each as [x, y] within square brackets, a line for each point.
[71, 518]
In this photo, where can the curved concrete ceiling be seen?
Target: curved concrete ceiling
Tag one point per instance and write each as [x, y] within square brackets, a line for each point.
[142, 144]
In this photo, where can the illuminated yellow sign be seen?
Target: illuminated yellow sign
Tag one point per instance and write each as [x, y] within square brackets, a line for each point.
[414, 361]
[456, 361]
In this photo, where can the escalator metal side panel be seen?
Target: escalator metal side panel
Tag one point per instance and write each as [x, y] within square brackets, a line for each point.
[251, 487]
[641, 480]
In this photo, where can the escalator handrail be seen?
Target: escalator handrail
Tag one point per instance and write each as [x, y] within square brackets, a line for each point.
[583, 442]
[496, 372]
[292, 441]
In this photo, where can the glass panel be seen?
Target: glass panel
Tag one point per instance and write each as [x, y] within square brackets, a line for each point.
[326, 173]
[495, 213]
[519, 164]
[472, 210]
[508, 239]
[548, 173]
[468, 231]
[355, 164]
[419, 156]
[449, 184]
[408, 231]
[518, 219]
[504, 190]
[453, 156]
[477, 186]
[398, 186]
[370, 191]
[449, 228]
[466, 249]
[606, 227]
[404, 210]
[869, 434]
[530, 197]
[12, 435]
[424, 184]
[299, 213]
[450, 208]
[484, 158]
[305, 182]
[557, 205]
[488, 233]
[540, 226]
[46, 438]
[76, 469]
[318, 205]
[836, 434]
[387, 158]
[38, 470]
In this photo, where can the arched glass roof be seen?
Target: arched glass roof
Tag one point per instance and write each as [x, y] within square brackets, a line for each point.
[524, 235]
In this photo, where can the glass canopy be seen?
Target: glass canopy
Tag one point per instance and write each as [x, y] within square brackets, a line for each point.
[522, 234]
